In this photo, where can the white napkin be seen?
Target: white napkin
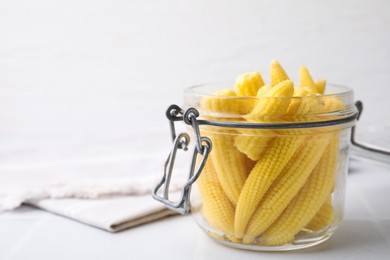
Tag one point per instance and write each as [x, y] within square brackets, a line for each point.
[111, 214]
[112, 205]
[103, 183]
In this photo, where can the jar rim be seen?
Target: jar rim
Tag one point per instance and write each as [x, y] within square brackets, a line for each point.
[235, 111]
[342, 91]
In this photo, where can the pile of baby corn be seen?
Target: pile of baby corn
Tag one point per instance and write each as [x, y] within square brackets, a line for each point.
[263, 187]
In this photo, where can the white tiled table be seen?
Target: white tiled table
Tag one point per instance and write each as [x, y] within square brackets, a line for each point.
[30, 233]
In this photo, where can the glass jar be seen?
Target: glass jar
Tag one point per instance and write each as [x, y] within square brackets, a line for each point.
[267, 181]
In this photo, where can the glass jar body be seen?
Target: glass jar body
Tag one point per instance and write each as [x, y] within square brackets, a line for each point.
[272, 188]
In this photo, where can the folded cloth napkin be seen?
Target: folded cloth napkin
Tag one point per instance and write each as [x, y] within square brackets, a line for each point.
[104, 182]
[111, 214]
[112, 205]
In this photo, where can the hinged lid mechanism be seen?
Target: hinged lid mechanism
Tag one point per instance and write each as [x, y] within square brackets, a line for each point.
[203, 147]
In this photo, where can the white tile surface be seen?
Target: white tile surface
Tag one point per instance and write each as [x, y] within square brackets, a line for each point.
[33, 234]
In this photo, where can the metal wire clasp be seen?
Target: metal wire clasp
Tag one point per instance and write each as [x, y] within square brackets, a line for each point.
[359, 106]
[181, 142]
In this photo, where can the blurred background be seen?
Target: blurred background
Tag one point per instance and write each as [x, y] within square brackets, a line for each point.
[85, 71]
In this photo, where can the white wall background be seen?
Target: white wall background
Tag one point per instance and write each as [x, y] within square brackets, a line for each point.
[80, 69]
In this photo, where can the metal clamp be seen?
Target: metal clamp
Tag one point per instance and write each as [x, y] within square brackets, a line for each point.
[359, 106]
[181, 142]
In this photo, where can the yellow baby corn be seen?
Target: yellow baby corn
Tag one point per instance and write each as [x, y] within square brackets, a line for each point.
[248, 84]
[286, 186]
[253, 143]
[277, 73]
[307, 202]
[230, 164]
[304, 105]
[272, 104]
[275, 102]
[333, 104]
[303, 92]
[263, 91]
[266, 170]
[323, 218]
[306, 80]
[296, 102]
[220, 102]
[321, 85]
[216, 208]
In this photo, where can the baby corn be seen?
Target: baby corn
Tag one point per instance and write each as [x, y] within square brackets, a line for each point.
[307, 203]
[306, 80]
[253, 142]
[221, 102]
[230, 165]
[323, 218]
[321, 85]
[216, 208]
[248, 84]
[266, 170]
[284, 189]
[275, 103]
[277, 73]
